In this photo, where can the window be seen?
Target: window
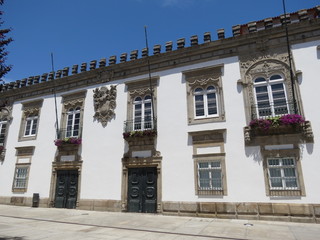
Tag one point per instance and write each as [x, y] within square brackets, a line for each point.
[21, 172]
[282, 170]
[20, 178]
[73, 122]
[209, 162]
[72, 115]
[30, 120]
[204, 95]
[3, 126]
[209, 175]
[270, 96]
[142, 113]
[205, 102]
[141, 108]
[282, 174]
[31, 126]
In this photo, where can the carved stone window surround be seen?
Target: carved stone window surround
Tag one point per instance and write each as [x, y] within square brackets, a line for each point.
[29, 109]
[292, 152]
[204, 78]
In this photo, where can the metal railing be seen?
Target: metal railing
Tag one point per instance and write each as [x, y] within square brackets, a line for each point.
[140, 124]
[267, 110]
[75, 132]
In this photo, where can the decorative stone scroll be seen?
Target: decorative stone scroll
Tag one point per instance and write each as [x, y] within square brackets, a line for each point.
[104, 104]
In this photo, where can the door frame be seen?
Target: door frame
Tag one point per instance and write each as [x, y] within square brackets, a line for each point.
[68, 166]
[152, 162]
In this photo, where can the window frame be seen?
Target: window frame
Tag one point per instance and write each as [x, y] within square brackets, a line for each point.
[205, 102]
[15, 188]
[30, 111]
[268, 83]
[3, 131]
[289, 153]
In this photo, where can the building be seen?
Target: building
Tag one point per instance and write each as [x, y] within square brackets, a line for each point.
[221, 128]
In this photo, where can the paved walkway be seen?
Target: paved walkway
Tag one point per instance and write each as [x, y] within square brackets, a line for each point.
[25, 223]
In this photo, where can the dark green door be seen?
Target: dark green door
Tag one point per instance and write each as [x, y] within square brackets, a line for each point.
[142, 190]
[67, 189]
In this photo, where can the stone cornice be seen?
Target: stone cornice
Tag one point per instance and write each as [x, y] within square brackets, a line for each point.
[235, 46]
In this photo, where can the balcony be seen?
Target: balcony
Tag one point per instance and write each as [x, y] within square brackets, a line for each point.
[142, 127]
[69, 136]
[269, 110]
[288, 128]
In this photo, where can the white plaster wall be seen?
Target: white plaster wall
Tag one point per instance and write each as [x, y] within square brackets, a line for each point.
[307, 59]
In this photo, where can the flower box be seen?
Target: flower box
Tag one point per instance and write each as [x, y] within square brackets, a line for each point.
[68, 141]
[140, 134]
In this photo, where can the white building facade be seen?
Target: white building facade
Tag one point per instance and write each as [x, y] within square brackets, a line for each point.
[219, 129]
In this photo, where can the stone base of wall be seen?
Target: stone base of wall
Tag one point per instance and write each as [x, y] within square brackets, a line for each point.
[307, 213]
[100, 205]
[23, 201]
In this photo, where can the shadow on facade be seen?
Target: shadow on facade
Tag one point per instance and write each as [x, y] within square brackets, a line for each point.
[11, 238]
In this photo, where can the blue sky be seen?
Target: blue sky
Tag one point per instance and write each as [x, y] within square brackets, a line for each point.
[78, 31]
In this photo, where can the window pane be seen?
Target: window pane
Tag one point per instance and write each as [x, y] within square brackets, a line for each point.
[203, 164]
[291, 183]
[275, 172]
[212, 104]
[260, 79]
[275, 77]
[199, 105]
[274, 162]
[276, 183]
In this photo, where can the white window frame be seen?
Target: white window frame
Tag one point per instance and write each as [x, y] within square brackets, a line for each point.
[205, 102]
[31, 126]
[73, 114]
[146, 121]
[268, 84]
[210, 178]
[282, 172]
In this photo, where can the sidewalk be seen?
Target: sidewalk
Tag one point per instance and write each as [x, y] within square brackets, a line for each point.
[25, 223]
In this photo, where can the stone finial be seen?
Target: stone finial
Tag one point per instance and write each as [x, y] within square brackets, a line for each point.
[123, 57]
[83, 67]
[207, 37]
[11, 85]
[93, 64]
[44, 77]
[134, 54]
[30, 81]
[145, 52]
[74, 69]
[268, 23]
[180, 43]
[58, 74]
[285, 19]
[102, 62]
[36, 79]
[221, 34]
[236, 30]
[169, 46]
[16, 84]
[23, 82]
[112, 60]
[51, 76]
[65, 72]
[252, 27]
[156, 49]
[194, 40]
[303, 15]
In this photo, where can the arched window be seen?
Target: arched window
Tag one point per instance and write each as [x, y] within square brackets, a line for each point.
[270, 96]
[73, 122]
[142, 113]
[205, 101]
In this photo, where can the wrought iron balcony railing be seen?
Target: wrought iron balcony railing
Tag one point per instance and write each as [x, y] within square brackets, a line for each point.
[140, 124]
[268, 110]
[75, 132]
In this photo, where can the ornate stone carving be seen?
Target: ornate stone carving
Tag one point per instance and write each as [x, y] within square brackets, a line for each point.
[104, 104]
[139, 92]
[5, 113]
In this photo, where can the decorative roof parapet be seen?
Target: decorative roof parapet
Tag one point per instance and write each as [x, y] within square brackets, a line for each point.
[237, 30]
